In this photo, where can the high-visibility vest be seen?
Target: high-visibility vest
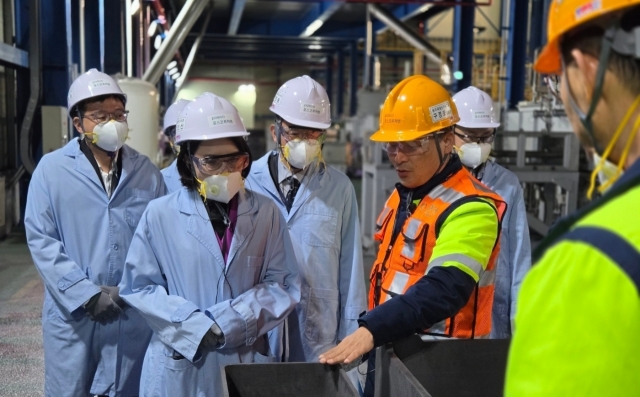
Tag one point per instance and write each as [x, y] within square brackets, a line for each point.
[401, 263]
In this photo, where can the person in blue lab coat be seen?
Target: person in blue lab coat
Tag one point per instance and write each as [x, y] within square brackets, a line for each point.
[83, 206]
[170, 174]
[474, 134]
[319, 205]
[211, 266]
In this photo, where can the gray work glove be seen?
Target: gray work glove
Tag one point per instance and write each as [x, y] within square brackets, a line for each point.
[114, 294]
[102, 308]
[213, 338]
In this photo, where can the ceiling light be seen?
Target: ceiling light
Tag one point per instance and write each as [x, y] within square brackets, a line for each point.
[315, 47]
[311, 29]
[172, 65]
[135, 6]
[175, 75]
[153, 26]
[157, 42]
[173, 70]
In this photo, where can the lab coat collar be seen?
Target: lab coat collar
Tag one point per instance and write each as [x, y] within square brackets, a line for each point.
[72, 149]
[314, 180]
[190, 203]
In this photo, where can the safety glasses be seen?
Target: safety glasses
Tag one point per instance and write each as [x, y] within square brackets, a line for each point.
[408, 148]
[215, 165]
[292, 133]
[476, 139]
[103, 117]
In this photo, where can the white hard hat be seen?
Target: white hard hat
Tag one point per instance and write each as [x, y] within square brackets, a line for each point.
[475, 109]
[171, 115]
[209, 117]
[303, 101]
[92, 84]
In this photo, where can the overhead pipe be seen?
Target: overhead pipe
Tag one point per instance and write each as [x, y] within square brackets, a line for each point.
[407, 34]
[179, 31]
[129, 34]
[35, 73]
[192, 54]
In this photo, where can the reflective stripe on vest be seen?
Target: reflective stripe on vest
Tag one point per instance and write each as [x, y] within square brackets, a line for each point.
[619, 250]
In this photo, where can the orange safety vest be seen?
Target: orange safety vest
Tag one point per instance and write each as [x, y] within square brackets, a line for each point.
[402, 263]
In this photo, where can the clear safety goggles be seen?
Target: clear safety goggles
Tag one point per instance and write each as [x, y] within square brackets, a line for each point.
[477, 139]
[292, 133]
[215, 165]
[409, 148]
[103, 117]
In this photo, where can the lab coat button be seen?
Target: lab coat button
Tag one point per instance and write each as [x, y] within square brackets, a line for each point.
[115, 247]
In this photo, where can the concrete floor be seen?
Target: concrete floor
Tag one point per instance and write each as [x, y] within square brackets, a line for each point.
[21, 295]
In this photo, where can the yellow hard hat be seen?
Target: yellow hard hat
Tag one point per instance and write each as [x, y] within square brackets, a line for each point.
[565, 15]
[417, 106]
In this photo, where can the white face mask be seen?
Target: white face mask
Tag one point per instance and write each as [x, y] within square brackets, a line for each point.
[608, 172]
[109, 136]
[474, 154]
[300, 154]
[221, 188]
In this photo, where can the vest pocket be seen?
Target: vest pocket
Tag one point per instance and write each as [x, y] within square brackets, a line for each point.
[321, 324]
[414, 235]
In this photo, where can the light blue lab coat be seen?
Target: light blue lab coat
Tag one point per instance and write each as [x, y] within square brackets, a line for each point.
[79, 239]
[324, 227]
[172, 177]
[515, 248]
[177, 279]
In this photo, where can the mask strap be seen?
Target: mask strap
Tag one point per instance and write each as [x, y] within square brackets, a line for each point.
[610, 147]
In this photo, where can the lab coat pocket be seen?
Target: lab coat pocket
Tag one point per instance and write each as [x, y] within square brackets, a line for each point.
[181, 375]
[132, 219]
[321, 324]
[262, 359]
[320, 230]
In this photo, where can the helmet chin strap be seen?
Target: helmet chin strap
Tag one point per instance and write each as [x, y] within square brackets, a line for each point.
[586, 119]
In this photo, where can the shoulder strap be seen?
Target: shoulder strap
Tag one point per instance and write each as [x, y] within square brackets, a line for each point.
[625, 255]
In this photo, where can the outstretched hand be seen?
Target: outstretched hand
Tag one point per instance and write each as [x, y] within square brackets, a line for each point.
[350, 349]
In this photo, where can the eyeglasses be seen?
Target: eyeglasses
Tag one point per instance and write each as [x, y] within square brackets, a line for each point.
[292, 133]
[103, 117]
[408, 148]
[215, 165]
[477, 139]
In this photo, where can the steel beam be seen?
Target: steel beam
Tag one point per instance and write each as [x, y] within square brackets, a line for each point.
[368, 50]
[328, 80]
[12, 56]
[236, 16]
[407, 34]
[463, 21]
[353, 79]
[340, 91]
[192, 54]
[179, 31]
[517, 52]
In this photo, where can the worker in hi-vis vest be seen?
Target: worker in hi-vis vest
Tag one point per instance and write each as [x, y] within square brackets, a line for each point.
[438, 232]
[578, 320]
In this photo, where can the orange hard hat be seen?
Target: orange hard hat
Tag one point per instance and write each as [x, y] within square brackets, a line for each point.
[417, 106]
[565, 15]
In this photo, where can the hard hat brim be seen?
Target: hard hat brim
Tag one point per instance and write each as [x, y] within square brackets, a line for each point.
[210, 136]
[548, 61]
[303, 123]
[478, 125]
[398, 136]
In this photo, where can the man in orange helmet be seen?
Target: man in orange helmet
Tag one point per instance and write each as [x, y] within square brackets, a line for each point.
[438, 232]
[578, 320]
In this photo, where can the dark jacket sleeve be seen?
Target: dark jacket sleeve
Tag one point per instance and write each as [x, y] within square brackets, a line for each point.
[440, 294]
